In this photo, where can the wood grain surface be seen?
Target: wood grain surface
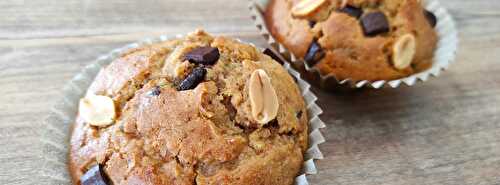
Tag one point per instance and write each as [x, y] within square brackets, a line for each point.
[445, 131]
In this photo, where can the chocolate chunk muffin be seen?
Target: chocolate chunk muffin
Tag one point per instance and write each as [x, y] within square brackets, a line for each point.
[356, 39]
[194, 110]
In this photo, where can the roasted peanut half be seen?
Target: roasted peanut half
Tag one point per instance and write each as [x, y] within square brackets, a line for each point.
[263, 98]
[97, 110]
[403, 51]
[307, 8]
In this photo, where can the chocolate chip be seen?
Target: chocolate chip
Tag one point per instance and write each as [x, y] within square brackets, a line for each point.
[431, 18]
[203, 55]
[95, 176]
[193, 79]
[156, 91]
[352, 11]
[275, 57]
[312, 23]
[314, 54]
[299, 114]
[374, 23]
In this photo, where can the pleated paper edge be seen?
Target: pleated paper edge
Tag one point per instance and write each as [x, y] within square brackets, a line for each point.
[56, 128]
[445, 53]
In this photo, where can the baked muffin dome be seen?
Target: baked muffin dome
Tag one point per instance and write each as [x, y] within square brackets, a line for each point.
[194, 110]
[356, 39]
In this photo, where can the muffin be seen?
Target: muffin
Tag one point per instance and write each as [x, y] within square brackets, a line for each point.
[194, 110]
[356, 39]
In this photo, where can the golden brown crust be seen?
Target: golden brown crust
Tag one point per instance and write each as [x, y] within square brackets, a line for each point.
[349, 53]
[200, 136]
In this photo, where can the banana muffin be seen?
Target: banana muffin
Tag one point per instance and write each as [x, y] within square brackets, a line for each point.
[194, 110]
[356, 39]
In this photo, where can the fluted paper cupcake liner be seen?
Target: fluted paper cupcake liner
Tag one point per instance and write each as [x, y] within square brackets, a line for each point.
[56, 128]
[444, 55]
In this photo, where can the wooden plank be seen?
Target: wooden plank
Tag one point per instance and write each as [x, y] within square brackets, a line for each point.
[445, 131]
[58, 18]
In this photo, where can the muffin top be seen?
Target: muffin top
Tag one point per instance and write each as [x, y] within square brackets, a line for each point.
[356, 39]
[193, 110]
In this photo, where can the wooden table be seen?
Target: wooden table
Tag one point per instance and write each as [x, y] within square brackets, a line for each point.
[446, 131]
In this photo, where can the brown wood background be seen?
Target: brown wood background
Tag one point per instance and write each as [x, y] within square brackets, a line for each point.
[445, 131]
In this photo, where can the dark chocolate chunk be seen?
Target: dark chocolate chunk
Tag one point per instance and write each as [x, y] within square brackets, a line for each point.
[203, 55]
[193, 79]
[95, 176]
[299, 114]
[374, 23]
[312, 23]
[156, 91]
[431, 18]
[352, 11]
[314, 54]
[275, 57]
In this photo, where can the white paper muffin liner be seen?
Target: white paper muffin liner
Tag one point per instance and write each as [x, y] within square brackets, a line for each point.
[444, 55]
[56, 129]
